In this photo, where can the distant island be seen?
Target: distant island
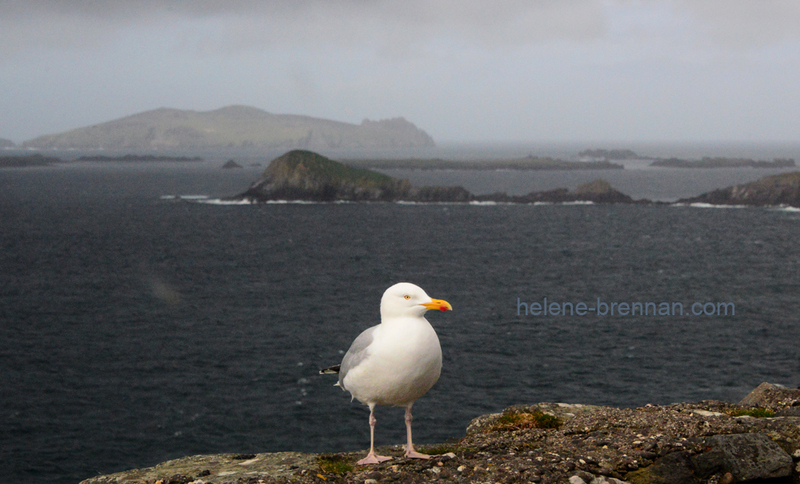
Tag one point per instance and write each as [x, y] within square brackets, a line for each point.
[230, 164]
[528, 163]
[721, 162]
[7, 143]
[27, 161]
[132, 157]
[705, 162]
[234, 127]
[615, 154]
[305, 175]
[18, 161]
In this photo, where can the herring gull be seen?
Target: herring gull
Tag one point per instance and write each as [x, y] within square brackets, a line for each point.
[395, 362]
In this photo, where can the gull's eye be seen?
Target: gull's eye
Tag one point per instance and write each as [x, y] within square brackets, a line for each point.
[406, 297]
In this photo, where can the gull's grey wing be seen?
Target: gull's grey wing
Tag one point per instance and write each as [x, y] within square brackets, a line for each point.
[356, 353]
[332, 369]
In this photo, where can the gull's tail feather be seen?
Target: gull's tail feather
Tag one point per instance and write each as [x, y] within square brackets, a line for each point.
[333, 369]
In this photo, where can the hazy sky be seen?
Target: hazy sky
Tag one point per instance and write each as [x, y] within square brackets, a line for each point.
[463, 70]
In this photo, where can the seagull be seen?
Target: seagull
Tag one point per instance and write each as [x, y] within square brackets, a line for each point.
[395, 362]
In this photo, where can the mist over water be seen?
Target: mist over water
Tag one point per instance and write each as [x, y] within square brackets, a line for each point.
[570, 150]
[138, 327]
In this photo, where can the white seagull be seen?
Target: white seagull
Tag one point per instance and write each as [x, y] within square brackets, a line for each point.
[395, 362]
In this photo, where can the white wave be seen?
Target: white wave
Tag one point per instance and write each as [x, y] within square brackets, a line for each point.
[219, 201]
[786, 208]
[711, 205]
[184, 197]
[290, 202]
[250, 201]
[779, 208]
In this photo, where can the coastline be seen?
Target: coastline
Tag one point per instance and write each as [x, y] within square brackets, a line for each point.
[703, 442]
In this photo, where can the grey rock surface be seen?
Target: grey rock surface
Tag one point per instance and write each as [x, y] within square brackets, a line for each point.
[750, 456]
[707, 442]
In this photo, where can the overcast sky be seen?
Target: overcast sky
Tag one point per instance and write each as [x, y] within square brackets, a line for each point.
[463, 70]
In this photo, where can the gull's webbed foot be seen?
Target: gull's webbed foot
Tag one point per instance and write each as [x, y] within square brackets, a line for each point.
[373, 458]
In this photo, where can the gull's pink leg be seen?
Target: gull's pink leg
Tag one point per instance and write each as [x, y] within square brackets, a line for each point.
[372, 458]
[410, 452]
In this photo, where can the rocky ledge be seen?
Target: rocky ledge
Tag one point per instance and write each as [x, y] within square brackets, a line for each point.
[308, 176]
[773, 190]
[598, 191]
[756, 440]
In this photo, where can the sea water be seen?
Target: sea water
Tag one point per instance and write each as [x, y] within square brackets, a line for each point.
[137, 326]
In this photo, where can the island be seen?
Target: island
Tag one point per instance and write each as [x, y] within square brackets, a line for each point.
[528, 163]
[7, 144]
[754, 440]
[615, 154]
[133, 157]
[25, 161]
[41, 160]
[233, 127]
[307, 176]
[597, 191]
[722, 162]
[775, 190]
[230, 164]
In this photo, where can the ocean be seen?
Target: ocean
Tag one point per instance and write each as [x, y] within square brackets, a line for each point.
[137, 327]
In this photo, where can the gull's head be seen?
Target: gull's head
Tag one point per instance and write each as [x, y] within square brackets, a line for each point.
[405, 300]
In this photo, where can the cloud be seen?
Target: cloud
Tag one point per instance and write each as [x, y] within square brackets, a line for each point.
[542, 68]
[745, 23]
[385, 26]
[230, 26]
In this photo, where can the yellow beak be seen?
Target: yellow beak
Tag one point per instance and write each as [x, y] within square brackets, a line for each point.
[439, 304]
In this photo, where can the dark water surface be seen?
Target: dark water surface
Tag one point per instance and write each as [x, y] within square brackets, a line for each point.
[135, 329]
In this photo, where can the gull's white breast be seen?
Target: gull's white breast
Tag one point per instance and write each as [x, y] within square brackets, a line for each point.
[403, 362]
